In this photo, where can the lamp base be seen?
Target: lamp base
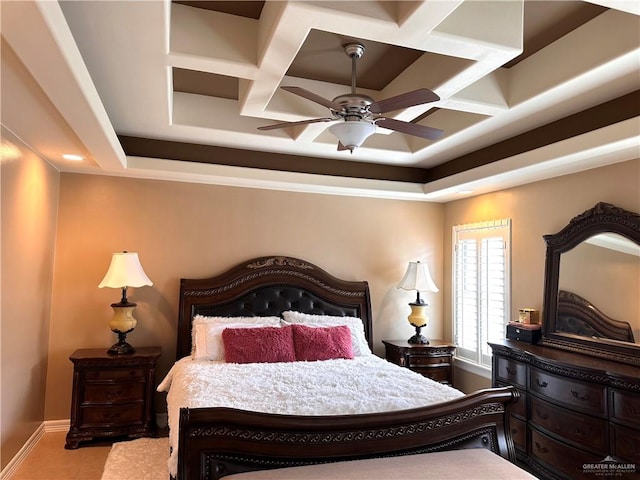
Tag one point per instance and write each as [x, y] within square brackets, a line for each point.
[418, 339]
[122, 347]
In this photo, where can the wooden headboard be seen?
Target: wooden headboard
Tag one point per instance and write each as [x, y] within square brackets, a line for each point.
[268, 286]
[578, 316]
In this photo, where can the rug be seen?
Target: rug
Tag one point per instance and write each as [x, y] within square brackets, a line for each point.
[140, 459]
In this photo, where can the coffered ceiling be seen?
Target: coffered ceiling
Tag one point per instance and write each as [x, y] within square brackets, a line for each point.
[177, 90]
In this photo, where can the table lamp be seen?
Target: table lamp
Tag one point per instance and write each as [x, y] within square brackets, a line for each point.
[417, 278]
[125, 271]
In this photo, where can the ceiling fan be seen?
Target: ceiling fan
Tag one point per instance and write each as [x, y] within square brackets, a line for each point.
[361, 114]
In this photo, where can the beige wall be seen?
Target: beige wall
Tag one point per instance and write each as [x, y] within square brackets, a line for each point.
[187, 230]
[191, 230]
[29, 196]
[537, 209]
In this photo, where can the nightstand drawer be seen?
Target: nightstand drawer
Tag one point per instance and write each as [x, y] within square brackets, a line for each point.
[433, 360]
[113, 374]
[112, 415]
[111, 393]
[438, 374]
[421, 360]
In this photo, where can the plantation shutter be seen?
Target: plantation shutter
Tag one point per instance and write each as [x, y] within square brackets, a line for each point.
[481, 287]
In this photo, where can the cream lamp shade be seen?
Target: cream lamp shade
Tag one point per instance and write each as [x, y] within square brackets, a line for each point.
[124, 271]
[418, 278]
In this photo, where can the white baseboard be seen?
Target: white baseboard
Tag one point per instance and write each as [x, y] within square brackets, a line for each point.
[47, 426]
[56, 425]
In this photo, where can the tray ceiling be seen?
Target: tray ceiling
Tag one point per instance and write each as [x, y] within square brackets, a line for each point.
[181, 84]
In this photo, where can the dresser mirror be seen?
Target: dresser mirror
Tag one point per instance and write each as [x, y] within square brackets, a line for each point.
[592, 285]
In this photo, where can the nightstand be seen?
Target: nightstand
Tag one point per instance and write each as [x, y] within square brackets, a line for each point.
[434, 360]
[112, 394]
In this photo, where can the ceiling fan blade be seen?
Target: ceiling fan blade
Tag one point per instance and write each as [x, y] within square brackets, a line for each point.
[314, 98]
[293, 124]
[409, 99]
[423, 131]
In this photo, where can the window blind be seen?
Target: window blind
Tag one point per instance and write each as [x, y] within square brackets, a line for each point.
[481, 287]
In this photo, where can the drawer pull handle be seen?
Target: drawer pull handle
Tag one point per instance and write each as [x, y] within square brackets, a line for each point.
[576, 394]
[541, 384]
[111, 416]
[114, 394]
[541, 448]
[542, 416]
[580, 432]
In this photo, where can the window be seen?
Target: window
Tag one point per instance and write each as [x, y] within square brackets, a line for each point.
[481, 287]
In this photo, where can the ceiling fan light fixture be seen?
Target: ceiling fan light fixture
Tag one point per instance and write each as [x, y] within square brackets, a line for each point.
[352, 134]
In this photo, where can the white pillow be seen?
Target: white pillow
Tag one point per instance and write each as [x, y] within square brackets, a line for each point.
[358, 339]
[206, 333]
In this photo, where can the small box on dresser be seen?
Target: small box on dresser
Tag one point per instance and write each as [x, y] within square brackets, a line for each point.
[529, 333]
[112, 395]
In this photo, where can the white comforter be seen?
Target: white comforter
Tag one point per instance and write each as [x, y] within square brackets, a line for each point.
[332, 387]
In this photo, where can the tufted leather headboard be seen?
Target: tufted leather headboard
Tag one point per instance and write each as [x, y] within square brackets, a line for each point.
[268, 286]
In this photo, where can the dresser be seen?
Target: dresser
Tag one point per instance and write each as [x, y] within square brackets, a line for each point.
[112, 395]
[433, 360]
[575, 410]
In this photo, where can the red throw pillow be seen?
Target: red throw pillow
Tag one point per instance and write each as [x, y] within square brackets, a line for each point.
[322, 343]
[258, 345]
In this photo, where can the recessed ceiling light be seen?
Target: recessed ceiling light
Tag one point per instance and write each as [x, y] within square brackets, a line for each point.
[69, 156]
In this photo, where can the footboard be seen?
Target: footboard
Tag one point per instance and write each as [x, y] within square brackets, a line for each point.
[215, 442]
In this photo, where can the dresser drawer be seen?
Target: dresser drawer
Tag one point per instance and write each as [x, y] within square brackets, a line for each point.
[626, 444]
[511, 372]
[625, 407]
[113, 374]
[590, 433]
[112, 415]
[559, 456]
[578, 395]
[113, 392]
[422, 360]
[520, 407]
[519, 433]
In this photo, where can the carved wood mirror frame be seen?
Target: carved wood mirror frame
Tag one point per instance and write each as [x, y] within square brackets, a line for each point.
[602, 218]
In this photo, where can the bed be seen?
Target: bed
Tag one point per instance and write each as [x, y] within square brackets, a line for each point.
[213, 440]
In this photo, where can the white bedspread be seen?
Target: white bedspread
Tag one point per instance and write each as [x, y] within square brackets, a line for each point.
[333, 387]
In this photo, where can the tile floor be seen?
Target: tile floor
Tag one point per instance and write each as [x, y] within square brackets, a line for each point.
[50, 461]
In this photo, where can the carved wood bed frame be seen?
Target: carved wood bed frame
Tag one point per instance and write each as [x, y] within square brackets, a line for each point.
[215, 442]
